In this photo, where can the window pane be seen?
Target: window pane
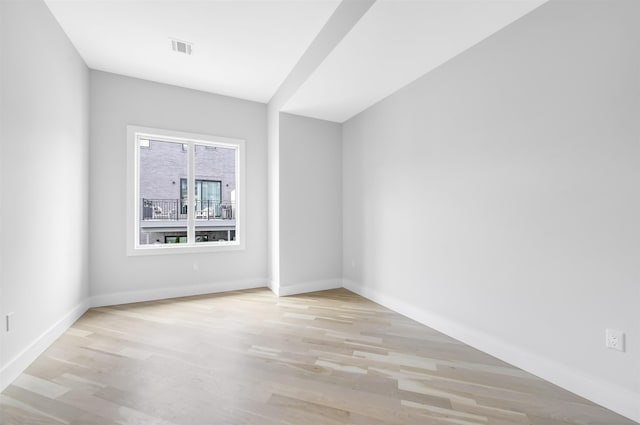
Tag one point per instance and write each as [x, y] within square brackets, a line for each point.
[215, 173]
[163, 189]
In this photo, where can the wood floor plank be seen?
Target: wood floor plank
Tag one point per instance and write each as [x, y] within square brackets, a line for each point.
[248, 357]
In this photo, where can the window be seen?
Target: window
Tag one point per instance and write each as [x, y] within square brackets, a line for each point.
[184, 192]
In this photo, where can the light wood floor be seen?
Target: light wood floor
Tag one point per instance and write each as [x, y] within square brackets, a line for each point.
[249, 357]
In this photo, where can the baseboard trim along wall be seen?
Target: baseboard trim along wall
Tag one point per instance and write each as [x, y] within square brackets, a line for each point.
[304, 287]
[19, 363]
[612, 397]
[619, 400]
[128, 297]
[274, 286]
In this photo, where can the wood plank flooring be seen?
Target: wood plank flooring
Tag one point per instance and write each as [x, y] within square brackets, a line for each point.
[248, 357]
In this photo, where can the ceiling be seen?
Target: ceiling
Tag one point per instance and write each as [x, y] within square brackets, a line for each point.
[241, 48]
[395, 43]
[246, 49]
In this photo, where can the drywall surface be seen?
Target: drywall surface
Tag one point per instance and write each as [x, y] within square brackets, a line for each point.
[44, 226]
[273, 197]
[339, 24]
[310, 203]
[118, 101]
[2, 25]
[496, 198]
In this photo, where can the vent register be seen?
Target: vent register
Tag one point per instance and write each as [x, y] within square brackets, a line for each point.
[180, 46]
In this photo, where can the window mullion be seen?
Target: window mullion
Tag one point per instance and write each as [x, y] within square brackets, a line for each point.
[191, 201]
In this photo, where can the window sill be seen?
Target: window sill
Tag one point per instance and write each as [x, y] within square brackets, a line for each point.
[201, 248]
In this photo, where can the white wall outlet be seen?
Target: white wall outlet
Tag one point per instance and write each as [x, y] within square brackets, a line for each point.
[7, 322]
[615, 339]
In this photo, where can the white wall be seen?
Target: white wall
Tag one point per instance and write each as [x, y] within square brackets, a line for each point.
[496, 198]
[118, 101]
[2, 25]
[273, 197]
[337, 26]
[44, 225]
[310, 157]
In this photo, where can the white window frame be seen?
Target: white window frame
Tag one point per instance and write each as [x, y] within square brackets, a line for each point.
[134, 135]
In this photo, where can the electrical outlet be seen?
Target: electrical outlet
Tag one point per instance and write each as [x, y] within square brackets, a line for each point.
[7, 322]
[615, 339]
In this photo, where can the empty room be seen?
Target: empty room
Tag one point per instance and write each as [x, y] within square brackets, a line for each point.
[301, 212]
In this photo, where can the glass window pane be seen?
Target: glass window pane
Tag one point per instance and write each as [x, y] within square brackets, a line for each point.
[162, 183]
[215, 172]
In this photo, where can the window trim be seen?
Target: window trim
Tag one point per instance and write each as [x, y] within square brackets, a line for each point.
[134, 133]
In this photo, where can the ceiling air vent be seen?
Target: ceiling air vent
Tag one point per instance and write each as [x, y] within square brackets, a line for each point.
[181, 46]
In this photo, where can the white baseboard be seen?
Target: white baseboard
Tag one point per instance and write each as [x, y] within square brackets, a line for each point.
[274, 286]
[20, 362]
[304, 287]
[619, 400]
[615, 398]
[128, 297]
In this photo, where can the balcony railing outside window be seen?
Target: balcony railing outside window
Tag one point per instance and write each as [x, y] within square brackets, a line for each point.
[176, 209]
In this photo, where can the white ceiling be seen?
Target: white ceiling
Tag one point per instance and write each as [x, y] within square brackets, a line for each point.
[396, 42]
[246, 49]
[242, 48]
